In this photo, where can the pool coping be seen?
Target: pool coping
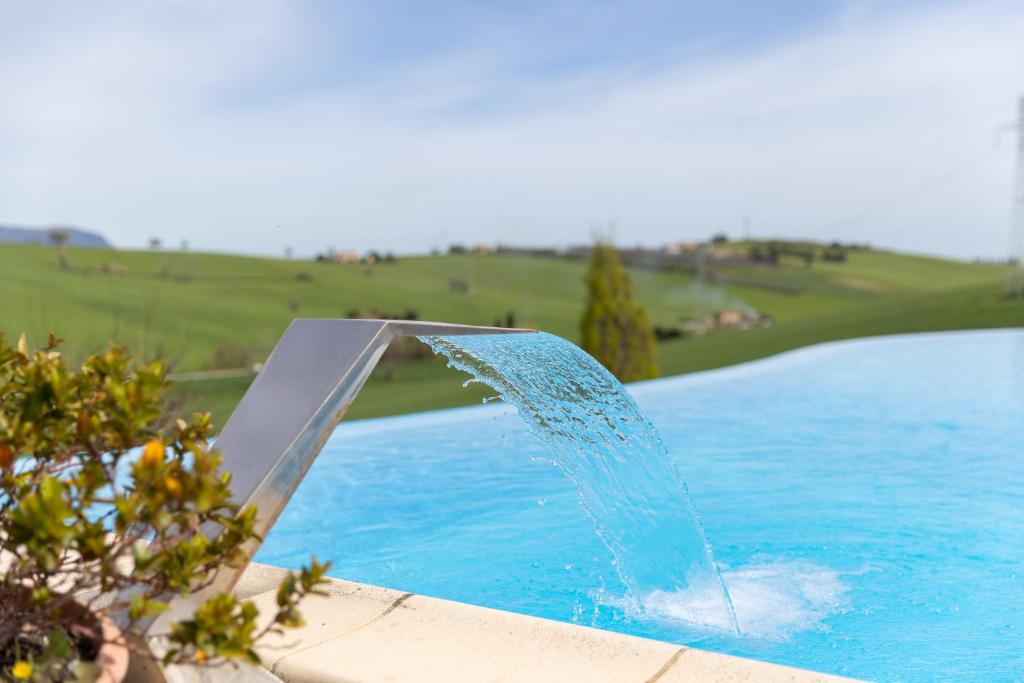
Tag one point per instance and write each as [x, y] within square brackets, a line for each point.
[358, 633]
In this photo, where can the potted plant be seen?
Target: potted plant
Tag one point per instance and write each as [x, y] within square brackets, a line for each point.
[103, 498]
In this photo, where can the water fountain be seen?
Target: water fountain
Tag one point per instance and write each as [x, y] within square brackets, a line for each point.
[628, 484]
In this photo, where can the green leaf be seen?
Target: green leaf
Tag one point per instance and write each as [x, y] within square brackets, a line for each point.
[58, 645]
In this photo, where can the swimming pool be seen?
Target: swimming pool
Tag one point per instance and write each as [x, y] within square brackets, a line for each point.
[864, 501]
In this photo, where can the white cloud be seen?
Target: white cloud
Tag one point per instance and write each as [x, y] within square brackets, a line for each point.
[875, 129]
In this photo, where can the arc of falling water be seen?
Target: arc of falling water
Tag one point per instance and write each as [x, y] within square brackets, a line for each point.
[628, 483]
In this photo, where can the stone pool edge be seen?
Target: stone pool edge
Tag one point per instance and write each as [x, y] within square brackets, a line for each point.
[358, 633]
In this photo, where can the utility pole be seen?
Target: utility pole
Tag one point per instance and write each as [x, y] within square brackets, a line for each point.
[1017, 281]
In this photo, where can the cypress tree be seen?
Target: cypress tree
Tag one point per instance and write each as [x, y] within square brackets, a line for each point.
[615, 327]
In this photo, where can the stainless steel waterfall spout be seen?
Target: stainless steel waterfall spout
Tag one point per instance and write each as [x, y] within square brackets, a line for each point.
[297, 399]
[293, 405]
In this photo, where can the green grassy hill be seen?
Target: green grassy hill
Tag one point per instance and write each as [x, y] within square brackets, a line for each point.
[186, 306]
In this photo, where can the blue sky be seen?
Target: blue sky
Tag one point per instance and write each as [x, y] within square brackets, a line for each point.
[258, 125]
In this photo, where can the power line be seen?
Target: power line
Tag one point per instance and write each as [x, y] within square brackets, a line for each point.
[911, 192]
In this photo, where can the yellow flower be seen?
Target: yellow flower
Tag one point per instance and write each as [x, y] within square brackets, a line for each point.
[153, 453]
[200, 656]
[22, 671]
[173, 486]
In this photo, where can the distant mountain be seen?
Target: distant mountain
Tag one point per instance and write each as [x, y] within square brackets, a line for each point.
[77, 237]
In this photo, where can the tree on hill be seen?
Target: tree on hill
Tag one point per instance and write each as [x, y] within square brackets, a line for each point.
[615, 327]
[60, 238]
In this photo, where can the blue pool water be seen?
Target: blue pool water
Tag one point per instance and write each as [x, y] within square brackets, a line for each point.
[865, 502]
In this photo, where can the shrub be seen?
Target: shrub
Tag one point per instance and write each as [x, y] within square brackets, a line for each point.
[97, 497]
[668, 333]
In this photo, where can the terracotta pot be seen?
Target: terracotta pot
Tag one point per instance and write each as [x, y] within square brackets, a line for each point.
[113, 655]
[112, 658]
[84, 622]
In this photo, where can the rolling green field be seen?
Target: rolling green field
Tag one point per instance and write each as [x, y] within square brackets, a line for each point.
[184, 306]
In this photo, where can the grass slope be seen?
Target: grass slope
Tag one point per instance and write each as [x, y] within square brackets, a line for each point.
[970, 308]
[184, 305]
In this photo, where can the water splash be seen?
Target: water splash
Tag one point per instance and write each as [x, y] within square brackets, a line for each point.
[773, 600]
[628, 483]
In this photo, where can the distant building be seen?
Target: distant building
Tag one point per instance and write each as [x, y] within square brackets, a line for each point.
[334, 256]
[729, 317]
[677, 248]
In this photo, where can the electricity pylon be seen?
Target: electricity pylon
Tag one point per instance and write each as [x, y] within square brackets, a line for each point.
[1017, 280]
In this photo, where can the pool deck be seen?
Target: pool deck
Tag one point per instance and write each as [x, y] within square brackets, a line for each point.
[358, 633]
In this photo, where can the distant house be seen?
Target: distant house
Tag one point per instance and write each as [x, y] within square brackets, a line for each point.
[680, 248]
[334, 256]
[729, 317]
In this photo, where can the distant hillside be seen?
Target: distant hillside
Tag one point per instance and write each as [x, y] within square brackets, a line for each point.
[218, 312]
[16, 234]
